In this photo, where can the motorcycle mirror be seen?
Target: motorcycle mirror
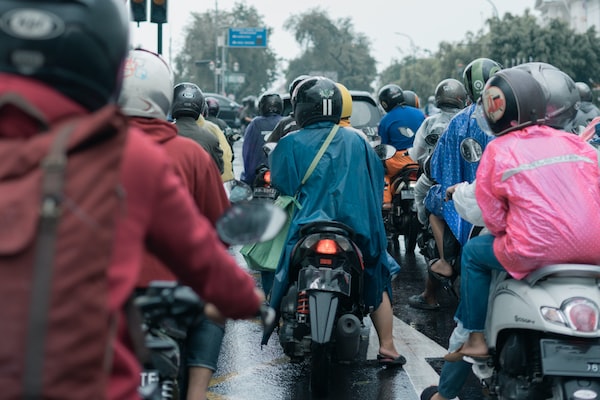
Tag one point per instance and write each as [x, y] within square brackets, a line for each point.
[248, 222]
[385, 151]
[238, 191]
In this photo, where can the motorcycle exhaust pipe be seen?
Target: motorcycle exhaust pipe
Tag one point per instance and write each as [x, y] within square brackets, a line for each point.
[347, 337]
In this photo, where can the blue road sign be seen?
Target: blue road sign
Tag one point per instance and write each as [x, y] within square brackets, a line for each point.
[247, 37]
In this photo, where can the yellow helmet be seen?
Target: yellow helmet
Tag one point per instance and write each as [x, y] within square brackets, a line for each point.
[346, 101]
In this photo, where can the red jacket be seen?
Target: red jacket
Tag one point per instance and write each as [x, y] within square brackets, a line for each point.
[199, 174]
[160, 213]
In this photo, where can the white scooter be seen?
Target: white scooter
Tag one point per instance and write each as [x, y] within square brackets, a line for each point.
[543, 335]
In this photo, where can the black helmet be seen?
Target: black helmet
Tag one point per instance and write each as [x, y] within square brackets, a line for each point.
[585, 92]
[295, 83]
[188, 101]
[560, 92]
[317, 99]
[270, 103]
[450, 93]
[512, 99]
[249, 101]
[390, 96]
[213, 106]
[476, 74]
[68, 45]
[411, 98]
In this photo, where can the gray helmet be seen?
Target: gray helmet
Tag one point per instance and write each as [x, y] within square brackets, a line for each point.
[147, 87]
[450, 93]
[585, 92]
[411, 98]
[512, 99]
[560, 92]
[74, 46]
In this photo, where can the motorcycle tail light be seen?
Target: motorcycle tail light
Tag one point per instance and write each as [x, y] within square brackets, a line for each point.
[582, 314]
[267, 177]
[326, 246]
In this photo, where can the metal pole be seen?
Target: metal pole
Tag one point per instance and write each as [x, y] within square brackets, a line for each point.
[494, 7]
[160, 34]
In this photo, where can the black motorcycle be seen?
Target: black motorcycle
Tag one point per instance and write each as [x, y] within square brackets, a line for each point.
[323, 309]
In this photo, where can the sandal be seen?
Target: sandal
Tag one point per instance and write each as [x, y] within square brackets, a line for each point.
[418, 301]
[428, 393]
[446, 281]
[390, 361]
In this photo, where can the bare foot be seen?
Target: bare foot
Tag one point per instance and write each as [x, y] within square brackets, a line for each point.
[475, 346]
[442, 267]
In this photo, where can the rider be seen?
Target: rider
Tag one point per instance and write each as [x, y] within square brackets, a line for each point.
[347, 111]
[74, 74]
[213, 107]
[148, 74]
[411, 98]
[188, 105]
[270, 107]
[450, 97]
[330, 194]
[519, 171]
[397, 128]
[248, 112]
[224, 145]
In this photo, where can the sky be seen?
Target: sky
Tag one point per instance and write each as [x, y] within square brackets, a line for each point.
[396, 28]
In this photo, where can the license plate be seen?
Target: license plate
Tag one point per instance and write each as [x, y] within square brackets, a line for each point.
[265, 192]
[407, 194]
[564, 358]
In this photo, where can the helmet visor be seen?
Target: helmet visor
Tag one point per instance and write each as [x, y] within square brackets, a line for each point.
[479, 116]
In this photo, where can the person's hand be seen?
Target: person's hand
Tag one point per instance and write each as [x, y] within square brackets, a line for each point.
[450, 191]
[213, 313]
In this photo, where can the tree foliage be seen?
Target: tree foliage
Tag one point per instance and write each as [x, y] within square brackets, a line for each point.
[510, 41]
[259, 65]
[331, 48]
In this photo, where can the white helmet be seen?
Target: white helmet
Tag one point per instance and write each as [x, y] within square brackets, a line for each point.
[147, 85]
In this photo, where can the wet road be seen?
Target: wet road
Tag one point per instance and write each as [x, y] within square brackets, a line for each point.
[247, 372]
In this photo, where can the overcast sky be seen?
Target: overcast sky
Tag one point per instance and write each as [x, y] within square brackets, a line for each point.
[393, 27]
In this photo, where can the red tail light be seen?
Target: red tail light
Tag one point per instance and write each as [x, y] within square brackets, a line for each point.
[267, 177]
[326, 246]
[582, 315]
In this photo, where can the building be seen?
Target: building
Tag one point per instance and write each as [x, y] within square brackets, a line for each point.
[580, 15]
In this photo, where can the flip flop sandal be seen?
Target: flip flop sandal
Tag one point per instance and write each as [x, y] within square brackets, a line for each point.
[390, 361]
[428, 393]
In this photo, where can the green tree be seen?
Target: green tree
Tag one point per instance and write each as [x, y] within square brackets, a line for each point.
[331, 48]
[259, 65]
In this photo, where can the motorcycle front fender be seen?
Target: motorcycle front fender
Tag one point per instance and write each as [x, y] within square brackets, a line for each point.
[323, 310]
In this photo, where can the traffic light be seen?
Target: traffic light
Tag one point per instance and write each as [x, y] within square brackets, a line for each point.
[158, 11]
[139, 11]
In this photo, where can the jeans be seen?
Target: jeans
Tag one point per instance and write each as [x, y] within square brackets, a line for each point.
[203, 345]
[453, 377]
[478, 262]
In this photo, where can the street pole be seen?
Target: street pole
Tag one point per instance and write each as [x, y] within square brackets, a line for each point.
[159, 41]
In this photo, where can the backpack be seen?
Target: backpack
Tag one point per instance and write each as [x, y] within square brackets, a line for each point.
[59, 203]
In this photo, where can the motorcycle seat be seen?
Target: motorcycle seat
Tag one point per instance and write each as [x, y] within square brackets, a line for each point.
[334, 227]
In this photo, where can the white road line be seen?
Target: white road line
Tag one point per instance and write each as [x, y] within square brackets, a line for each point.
[416, 347]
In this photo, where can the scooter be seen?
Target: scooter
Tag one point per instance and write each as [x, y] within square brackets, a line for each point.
[322, 312]
[543, 334]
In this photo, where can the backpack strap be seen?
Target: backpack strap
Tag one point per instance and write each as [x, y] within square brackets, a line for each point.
[54, 166]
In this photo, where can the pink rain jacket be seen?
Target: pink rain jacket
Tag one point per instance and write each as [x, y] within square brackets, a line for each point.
[539, 192]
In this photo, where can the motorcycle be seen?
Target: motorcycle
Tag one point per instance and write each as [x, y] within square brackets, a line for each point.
[322, 312]
[401, 218]
[168, 309]
[543, 335]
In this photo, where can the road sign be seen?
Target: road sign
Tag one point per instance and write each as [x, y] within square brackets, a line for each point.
[247, 37]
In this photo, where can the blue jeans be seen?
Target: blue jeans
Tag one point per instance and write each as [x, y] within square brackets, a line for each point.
[453, 377]
[477, 263]
[203, 344]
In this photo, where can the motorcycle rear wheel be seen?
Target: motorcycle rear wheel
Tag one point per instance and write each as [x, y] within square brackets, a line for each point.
[320, 364]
